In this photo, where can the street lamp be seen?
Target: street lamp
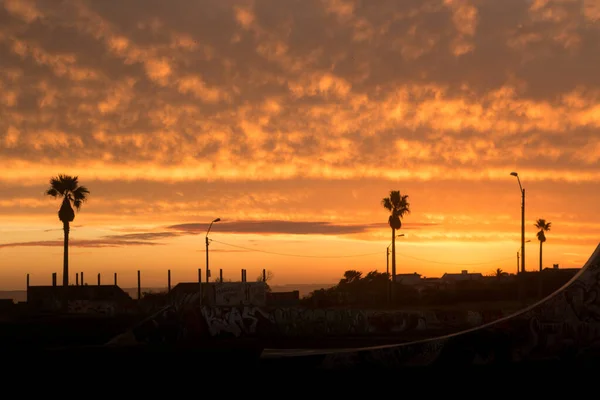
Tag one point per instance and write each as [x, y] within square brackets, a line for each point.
[522, 221]
[387, 269]
[206, 238]
[527, 241]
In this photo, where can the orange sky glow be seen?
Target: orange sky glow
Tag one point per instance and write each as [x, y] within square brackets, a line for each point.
[290, 121]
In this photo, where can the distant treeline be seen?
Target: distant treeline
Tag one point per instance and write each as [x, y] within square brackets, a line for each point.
[373, 289]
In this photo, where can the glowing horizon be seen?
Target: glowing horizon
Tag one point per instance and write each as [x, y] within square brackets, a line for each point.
[291, 124]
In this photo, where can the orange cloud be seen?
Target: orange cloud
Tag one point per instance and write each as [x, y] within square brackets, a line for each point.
[269, 111]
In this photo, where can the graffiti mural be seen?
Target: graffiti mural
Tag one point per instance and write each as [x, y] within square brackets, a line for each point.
[195, 322]
[240, 293]
[236, 321]
[92, 307]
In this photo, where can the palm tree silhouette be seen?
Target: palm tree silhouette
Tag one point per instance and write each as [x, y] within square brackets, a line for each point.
[68, 188]
[397, 204]
[543, 226]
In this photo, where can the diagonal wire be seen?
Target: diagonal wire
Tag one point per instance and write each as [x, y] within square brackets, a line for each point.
[449, 263]
[295, 255]
[353, 255]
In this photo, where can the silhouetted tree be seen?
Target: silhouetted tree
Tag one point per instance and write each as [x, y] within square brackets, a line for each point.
[397, 204]
[499, 273]
[351, 276]
[543, 226]
[68, 188]
[352, 290]
[269, 275]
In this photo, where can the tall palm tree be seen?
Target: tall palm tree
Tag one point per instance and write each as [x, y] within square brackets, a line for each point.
[543, 226]
[68, 188]
[397, 204]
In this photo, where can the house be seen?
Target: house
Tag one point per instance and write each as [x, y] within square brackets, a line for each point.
[463, 276]
[7, 307]
[283, 299]
[221, 294]
[100, 299]
[409, 279]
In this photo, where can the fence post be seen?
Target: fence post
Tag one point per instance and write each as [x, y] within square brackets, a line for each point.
[115, 279]
[139, 285]
[264, 275]
[54, 279]
[200, 284]
[169, 281]
[98, 279]
[221, 275]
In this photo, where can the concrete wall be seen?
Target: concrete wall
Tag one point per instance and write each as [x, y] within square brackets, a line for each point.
[294, 321]
[194, 323]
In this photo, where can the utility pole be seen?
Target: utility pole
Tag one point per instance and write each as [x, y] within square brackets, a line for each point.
[387, 270]
[516, 175]
[206, 258]
[523, 231]
[206, 238]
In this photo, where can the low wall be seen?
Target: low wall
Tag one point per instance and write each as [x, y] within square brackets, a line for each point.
[192, 323]
[300, 322]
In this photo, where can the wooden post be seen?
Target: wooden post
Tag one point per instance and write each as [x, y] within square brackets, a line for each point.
[242, 274]
[115, 279]
[76, 278]
[169, 281]
[200, 284]
[139, 285]
[98, 279]
[264, 275]
[82, 281]
[54, 279]
[221, 275]
[27, 281]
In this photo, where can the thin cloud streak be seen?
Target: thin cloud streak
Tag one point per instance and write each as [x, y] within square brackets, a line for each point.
[286, 227]
[92, 243]
[146, 236]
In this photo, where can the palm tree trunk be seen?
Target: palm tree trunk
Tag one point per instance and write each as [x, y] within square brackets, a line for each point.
[66, 254]
[541, 255]
[393, 265]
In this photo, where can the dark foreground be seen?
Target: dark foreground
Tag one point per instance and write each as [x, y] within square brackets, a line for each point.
[232, 359]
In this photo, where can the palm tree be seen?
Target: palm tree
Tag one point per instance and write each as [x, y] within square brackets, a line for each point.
[543, 226]
[397, 204]
[68, 188]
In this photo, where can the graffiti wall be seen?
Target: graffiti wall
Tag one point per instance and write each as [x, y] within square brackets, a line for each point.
[240, 293]
[191, 322]
[292, 321]
[92, 307]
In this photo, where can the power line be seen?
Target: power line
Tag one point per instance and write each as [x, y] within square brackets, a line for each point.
[449, 263]
[351, 255]
[294, 255]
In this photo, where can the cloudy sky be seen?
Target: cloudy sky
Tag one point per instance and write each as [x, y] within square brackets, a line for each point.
[291, 120]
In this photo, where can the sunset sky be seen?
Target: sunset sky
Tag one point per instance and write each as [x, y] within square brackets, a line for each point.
[291, 120]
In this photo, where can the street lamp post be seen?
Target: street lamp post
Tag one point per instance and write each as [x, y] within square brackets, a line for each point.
[522, 221]
[206, 239]
[527, 241]
[387, 268]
